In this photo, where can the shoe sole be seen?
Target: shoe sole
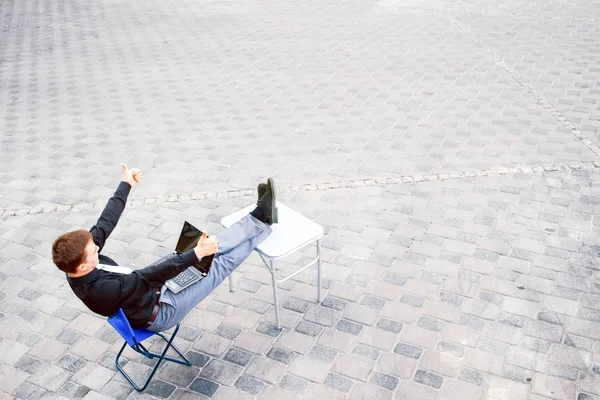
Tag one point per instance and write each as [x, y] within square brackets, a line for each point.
[274, 210]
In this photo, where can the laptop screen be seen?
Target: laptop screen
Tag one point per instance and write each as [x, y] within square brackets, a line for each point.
[188, 239]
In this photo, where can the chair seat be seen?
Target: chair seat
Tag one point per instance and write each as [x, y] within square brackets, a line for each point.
[121, 324]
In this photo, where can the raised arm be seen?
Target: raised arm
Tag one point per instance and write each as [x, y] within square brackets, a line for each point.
[114, 208]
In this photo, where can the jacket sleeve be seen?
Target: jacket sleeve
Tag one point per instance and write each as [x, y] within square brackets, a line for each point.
[110, 215]
[157, 274]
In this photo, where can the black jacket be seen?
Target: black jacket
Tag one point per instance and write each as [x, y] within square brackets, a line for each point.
[105, 292]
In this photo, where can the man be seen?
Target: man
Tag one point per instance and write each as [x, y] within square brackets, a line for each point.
[104, 287]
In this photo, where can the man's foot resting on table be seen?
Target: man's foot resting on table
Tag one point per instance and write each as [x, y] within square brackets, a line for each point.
[261, 189]
[266, 208]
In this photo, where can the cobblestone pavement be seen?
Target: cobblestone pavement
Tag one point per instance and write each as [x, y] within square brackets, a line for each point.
[449, 149]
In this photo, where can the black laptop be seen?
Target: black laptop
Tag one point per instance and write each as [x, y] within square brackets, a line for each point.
[188, 239]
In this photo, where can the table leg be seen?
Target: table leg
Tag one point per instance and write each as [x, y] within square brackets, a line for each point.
[319, 271]
[275, 298]
[231, 282]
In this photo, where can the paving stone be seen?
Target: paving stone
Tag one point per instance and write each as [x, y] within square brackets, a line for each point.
[281, 355]
[469, 375]
[337, 340]
[275, 392]
[518, 374]
[180, 375]
[503, 333]
[413, 391]
[93, 376]
[544, 330]
[338, 382]
[243, 318]
[293, 383]
[385, 381]
[295, 341]
[212, 344]
[369, 392]
[110, 336]
[484, 361]
[204, 386]
[408, 350]
[68, 336]
[265, 369]
[431, 324]
[160, 389]
[288, 318]
[48, 350]
[268, 329]
[536, 345]
[218, 308]
[11, 352]
[221, 372]
[89, 348]
[588, 383]
[249, 385]
[361, 314]
[563, 371]
[352, 367]
[451, 348]
[553, 387]
[197, 359]
[461, 334]
[322, 353]
[428, 378]
[570, 356]
[389, 325]
[309, 328]
[348, 326]
[578, 342]
[238, 357]
[49, 377]
[296, 305]
[368, 353]
[254, 342]
[28, 391]
[418, 336]
[29, 364]
[258, 306]
[552, 317]
[86, 324]
[228, 331]
[441, 363]
[72, 390]
[322, 315]
[117, 390]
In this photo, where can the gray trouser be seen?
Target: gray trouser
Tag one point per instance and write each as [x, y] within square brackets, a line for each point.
[235, 245]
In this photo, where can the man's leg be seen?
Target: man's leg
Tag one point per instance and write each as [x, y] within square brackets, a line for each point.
[235, 245]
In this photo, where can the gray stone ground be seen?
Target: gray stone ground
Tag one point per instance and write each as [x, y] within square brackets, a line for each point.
[449, 148]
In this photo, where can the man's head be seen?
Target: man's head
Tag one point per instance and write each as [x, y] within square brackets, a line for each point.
[75, 252]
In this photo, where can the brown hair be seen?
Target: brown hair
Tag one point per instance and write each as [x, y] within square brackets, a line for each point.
[68, 251]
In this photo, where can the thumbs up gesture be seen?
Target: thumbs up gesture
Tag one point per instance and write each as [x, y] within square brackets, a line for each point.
[131, 176]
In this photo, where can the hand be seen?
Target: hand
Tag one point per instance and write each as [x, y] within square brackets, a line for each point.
[206, 246]
[131, 176]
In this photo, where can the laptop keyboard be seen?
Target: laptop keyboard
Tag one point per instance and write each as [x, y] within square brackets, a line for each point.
[185, 277]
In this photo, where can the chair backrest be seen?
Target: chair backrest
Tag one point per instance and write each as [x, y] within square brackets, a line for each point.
[121, 324]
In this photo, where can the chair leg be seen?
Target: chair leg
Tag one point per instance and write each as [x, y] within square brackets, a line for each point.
[319, 281]
[275, 297]
[142, 350]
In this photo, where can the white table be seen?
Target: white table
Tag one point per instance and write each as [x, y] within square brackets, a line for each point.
[293, 232]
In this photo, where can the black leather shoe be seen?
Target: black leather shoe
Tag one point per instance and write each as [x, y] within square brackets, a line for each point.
[261, 189]
[266, 209]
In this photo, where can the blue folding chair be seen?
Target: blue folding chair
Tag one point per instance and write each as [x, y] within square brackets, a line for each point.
[134, 338]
